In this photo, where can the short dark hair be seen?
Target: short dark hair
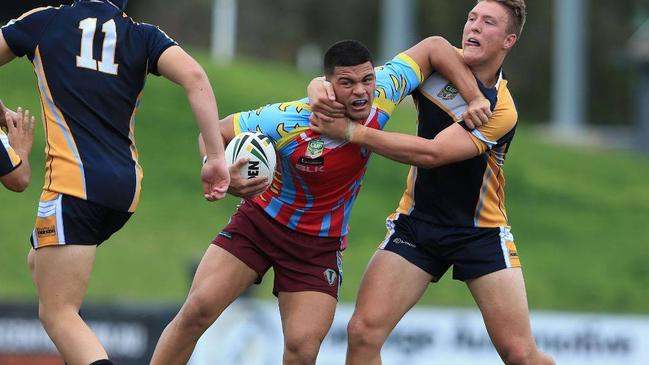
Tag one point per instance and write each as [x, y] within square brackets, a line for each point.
[346, 53]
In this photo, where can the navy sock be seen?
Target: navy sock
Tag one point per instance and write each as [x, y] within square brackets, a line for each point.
[102, 362]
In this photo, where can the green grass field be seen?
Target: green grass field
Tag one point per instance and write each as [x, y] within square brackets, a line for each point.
[578, 214]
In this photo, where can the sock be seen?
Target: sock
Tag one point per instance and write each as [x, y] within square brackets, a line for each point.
[102, 362]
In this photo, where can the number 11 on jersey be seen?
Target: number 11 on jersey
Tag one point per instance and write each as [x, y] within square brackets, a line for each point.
[107, 64]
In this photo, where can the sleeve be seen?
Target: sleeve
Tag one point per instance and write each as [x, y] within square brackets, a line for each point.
[278, 121]
[9, 159]
[24, 34]
[157, 42]
[395, 80]
[500, 129]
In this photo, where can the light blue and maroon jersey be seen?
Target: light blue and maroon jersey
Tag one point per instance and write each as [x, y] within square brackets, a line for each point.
[9, 159]
[317, 179]
[91, 61]
[468, 193]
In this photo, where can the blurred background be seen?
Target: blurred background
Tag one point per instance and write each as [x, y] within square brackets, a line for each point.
[577, 172]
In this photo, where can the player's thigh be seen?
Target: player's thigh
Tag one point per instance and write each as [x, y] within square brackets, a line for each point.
[306, 315]
[502, 300]
[390, 286]
[220, 278]
[61, 273]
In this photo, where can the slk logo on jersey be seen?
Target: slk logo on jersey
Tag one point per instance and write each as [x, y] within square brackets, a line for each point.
[330, 275]
[449, 92]
[315, 148]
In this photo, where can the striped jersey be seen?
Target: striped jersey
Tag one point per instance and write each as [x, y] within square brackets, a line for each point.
[468, 193]
[91, 61]
[9, 159]
[317, 179]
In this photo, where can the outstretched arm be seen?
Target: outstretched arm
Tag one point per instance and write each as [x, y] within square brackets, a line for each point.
[20, 130]
[453, 144]
[437, 54]
[179, 67]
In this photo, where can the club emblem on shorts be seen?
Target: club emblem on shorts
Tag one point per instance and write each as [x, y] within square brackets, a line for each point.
[330, 275]
[449, 92]
[315, 148]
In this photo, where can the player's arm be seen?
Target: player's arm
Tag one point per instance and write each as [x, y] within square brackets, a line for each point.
[179, 67]
[451, 145]
[243, 188]
[20, 131]
[6, 55]
[437, 54]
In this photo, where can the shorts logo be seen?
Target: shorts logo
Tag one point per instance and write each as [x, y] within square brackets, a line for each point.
[225, 234]
[315, 148]
[330, 275]
[449, 92]
[399, 241]
[46, 231]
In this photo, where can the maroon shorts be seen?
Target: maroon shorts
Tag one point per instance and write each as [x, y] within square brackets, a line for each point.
[300, 262]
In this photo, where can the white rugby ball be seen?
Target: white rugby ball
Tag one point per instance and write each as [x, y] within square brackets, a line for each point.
[260, 151]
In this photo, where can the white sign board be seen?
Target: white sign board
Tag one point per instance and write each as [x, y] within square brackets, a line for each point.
[250, 333]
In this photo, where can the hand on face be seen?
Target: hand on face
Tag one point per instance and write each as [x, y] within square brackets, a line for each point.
[323, 100]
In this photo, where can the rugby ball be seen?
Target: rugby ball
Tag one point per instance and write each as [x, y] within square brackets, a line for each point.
[259, 150]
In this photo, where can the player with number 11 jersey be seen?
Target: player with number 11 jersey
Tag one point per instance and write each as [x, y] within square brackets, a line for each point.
[91, 61]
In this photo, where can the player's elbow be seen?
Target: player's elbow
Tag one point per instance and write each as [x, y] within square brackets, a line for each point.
[436, 42]
[194, 78]
[17, 183]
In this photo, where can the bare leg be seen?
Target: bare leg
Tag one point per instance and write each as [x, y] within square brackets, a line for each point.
[61, 275]
[219, 280]
[390, 287]
[306, 319]
[502, 300]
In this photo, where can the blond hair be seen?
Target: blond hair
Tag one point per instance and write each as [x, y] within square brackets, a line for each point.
[517, 14]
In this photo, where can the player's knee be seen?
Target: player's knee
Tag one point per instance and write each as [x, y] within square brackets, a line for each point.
[196, 316]
[517, 353]
[302, 349]
[363, 332]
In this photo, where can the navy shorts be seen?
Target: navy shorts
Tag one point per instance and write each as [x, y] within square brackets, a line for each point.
[473, 252]
[66, 220]
[300, 262]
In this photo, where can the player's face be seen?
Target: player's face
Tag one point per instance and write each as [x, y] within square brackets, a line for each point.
[354, 87]
[486, 35]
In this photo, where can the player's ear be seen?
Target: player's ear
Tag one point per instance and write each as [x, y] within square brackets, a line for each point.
[510, 40]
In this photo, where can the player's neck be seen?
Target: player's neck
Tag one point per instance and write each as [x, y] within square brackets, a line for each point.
[488, 72]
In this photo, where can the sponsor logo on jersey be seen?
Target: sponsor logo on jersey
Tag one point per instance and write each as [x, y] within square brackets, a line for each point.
[315, 148]
[449, 92]
[330, 275]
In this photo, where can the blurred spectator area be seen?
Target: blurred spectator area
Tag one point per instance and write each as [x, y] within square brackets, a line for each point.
[276, 30]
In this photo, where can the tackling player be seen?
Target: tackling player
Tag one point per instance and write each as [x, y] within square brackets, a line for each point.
[91, 61]
[453, 211]
[299, 224]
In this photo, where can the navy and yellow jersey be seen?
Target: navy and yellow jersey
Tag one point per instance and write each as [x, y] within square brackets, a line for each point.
[469, 193]
[91, 61]
[9, 159]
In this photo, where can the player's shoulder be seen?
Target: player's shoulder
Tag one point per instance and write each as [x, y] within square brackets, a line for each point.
[506, 106]
[39, 14]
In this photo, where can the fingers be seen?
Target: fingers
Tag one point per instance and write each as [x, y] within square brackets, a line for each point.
[323, 117]
[329, 89]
